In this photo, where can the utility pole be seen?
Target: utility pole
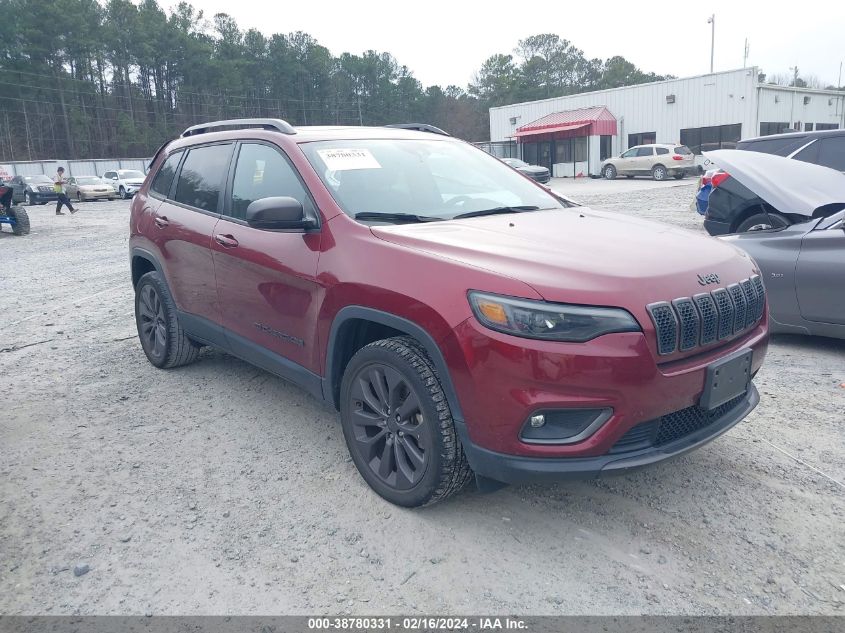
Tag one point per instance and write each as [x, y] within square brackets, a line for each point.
[712, 22]
[744, 53]
[794, 70]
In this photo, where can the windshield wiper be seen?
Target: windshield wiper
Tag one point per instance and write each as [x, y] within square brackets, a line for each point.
[496, 211]
[394, 217]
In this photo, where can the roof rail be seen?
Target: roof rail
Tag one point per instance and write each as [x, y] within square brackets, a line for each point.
[214, 126]
[420, 127]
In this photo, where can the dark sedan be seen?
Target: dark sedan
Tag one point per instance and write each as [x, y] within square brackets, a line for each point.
[535, 172]
[35, 189]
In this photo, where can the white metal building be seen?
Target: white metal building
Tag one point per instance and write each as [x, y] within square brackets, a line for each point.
[706, 112]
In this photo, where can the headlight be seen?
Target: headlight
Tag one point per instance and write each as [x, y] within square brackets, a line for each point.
[549, 321]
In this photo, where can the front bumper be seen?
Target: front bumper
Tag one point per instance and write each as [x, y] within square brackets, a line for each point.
[500, 381]
[97, 195]
[513, 469]
[43, 196]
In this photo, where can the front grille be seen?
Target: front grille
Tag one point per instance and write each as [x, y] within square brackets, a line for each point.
[672, 427]
[686, 421]
[684, 324]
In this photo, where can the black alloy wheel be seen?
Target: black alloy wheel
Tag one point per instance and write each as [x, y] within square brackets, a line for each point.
[163, 339]
[398, 425]
[152, 326]
[389, 431]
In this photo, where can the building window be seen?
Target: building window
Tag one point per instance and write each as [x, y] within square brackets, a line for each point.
[642, 138]
[563, 151]
[605, 147]
[529, 153]
[827, 126]
[808, 127]
[580, 148]
[767, 128]
[705, 139]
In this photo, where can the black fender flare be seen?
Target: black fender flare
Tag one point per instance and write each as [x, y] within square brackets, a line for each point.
[142, 253]
[398, 323]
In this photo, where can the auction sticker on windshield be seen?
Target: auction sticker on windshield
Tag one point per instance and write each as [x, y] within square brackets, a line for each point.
[346, 159]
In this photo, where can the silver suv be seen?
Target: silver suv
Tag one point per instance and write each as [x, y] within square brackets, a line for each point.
[658, 161]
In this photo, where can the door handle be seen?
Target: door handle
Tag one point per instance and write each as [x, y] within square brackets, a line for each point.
[161, 221]
[226, 241]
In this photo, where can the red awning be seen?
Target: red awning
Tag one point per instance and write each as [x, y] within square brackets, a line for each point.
[593, 121]
[548, 130]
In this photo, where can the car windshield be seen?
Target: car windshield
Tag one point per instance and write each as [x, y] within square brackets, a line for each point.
[131, 173]
[89, 180]
[515, 162]
[41, 178]
[421, 179]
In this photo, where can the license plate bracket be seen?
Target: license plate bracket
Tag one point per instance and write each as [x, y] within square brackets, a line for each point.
[726, 379]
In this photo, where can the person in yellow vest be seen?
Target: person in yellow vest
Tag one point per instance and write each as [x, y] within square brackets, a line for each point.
[59, 187]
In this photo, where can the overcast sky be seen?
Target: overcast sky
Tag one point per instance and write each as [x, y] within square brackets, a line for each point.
[445, 41]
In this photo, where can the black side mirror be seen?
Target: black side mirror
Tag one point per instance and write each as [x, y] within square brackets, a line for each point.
[277, 213]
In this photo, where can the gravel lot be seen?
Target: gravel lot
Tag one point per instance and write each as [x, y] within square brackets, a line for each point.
[218, 488]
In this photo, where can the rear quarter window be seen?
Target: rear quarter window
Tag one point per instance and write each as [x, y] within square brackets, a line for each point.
[683, 150]
[832, 152]
[662, 150]
[164, 178]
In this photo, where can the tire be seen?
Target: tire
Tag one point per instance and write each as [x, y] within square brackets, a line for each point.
[21, 226]
[629, 176]
[680, 176]
[123, 195]
[162, 337]
[110, 199]
[762, 222]
[658, 172]
[609, 172]
[381, 380]
[30, 199]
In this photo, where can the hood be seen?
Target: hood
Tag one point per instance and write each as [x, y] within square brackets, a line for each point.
[790, 186]
[580, 255]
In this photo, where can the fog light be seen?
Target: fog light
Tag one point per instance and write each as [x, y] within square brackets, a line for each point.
[563, 426]
[538, 420]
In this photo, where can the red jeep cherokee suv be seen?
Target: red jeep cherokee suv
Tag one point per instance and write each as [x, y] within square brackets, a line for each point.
[463, 319]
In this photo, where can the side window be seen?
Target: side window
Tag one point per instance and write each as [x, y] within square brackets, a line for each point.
[662, 150]
[262, 172]
[629, 154]
[809, 154]
[202, 175]
[164, 177]
[832, 152]
[645, 151]
[109, 175]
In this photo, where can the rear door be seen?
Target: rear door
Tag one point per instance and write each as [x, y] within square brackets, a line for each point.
[183, 225]
[266, 280]
[820, 274]
[644, 160]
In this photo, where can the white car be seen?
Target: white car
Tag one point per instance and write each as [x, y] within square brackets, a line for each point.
[658, 161]
[126, 182]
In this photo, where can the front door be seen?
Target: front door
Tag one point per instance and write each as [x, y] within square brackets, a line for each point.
[820, 275]
[266, 280]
